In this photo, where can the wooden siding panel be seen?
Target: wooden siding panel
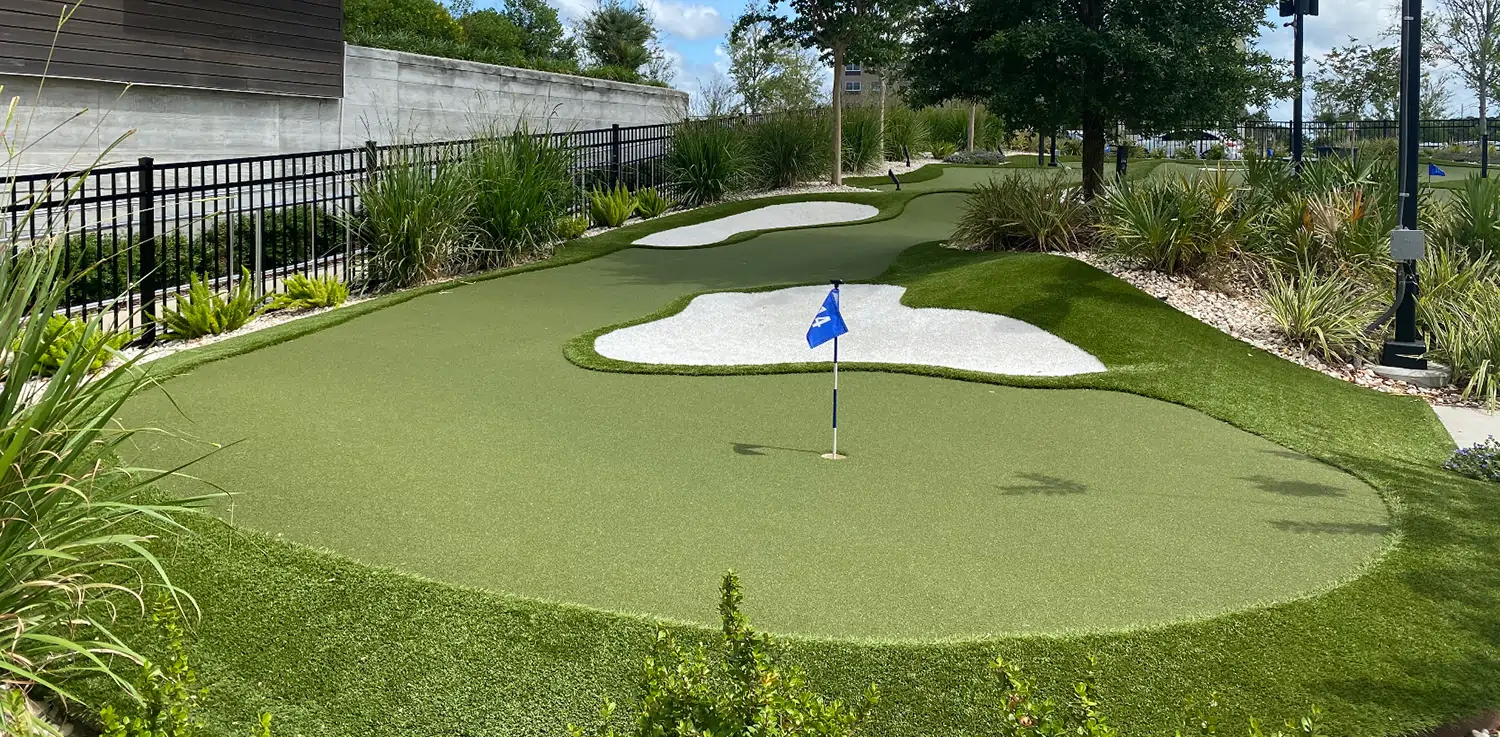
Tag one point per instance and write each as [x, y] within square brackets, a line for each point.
[280, 46]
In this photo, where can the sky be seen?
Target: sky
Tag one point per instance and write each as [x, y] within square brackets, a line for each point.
[693, 35]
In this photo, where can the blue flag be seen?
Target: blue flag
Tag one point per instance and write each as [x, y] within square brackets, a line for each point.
[1434, 171]
[828, 324]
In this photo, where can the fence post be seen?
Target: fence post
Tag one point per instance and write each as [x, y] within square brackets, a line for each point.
[615, 170]
[1122, 160]
[260, 250]
[372, 161]
[145, 185]
[1484, 153]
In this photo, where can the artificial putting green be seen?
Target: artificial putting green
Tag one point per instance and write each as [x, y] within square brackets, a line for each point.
[335, 647]
[967, 509]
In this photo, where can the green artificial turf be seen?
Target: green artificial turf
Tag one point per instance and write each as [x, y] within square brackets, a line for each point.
[436, 428]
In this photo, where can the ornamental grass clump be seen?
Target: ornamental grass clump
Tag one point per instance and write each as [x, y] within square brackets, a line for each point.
[76, 543]
[1480, 461]
[863, 150]
[520, 183]
[789, 148]
[651, 203]
[947, 127]
[1023, 213]
[707, 161]
[415, 218]
[611, 207]
[1324, 314]
[905, 133]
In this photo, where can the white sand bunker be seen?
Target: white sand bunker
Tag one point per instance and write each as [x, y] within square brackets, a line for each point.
[793, 215]
[737, 328]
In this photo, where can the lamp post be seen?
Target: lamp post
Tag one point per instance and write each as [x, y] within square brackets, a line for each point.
[1298, 10]
[1407, 241]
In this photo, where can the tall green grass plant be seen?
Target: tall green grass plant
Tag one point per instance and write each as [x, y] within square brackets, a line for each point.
[789, 148]
[707, 161]
[520, 184]
[415, 219]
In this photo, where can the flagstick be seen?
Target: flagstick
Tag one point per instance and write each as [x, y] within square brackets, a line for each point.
[834, 456]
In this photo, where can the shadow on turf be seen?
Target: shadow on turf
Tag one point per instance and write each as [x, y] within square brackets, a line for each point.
[1331, 528]
[751, 449]
[1044, 485]
[1292, 487]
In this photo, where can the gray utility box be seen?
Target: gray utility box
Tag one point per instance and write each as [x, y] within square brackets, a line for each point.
[1408, 245]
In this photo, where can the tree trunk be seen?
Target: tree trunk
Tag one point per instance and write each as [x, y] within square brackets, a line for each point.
[1093, 153]
[838, 115]
[973, 109]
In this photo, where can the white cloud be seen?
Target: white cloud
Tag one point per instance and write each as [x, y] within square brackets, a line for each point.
[690, 22]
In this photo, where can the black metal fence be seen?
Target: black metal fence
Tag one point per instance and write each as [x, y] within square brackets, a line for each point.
[1450, 139]
[135, 236]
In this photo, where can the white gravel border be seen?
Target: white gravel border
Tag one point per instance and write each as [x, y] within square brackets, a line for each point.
[789, 215]
[759, 328]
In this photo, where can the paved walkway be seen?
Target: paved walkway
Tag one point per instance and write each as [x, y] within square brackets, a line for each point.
[1468, 425]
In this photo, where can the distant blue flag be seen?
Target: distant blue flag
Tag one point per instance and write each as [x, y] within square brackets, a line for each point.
[828, 324]
[1434, 171]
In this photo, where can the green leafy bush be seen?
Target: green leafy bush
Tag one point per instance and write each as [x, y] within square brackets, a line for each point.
[650, 203]
[789, 148]
[905, 131]
[519, 185]
[743, 690]
[1186, 152]
[1021, 141]
[1160, 152]
[424, 18]
[1214, 152]
[943, 149]
[707, 161]
[416, 219]
[1070, 147]
[203, 312]
[1480, 461]
[304, 293]
[863, 149]
[611, 207]
[1473, 220]
[1465, 336]
[572, 227]
[1325, 314]
[1174, 226]
[1022, 213]
[61, 338]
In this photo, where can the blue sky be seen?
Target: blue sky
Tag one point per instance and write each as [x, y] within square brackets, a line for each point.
[693, 32]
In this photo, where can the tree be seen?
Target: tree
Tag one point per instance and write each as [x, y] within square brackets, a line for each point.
[843, 32]
[543, 36]
[1358, 81]
[1466, 34]
[1154, 65]
[768, 74]
[618, 36]
[488, 29]
[714, 98]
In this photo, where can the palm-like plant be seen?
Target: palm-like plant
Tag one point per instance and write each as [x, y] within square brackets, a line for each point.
[617, 36]
[1021, 213]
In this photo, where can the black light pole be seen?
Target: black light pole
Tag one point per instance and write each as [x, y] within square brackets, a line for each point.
[1407, 242]
[1299, 10]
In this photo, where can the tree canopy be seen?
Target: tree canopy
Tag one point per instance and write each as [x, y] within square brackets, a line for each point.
[769, 74]
[1152, 65]
[619, 36]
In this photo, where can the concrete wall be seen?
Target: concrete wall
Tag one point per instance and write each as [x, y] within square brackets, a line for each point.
[388, 96]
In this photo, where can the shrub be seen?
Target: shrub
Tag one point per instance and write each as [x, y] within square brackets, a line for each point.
[488, 29]
[60, 340]
[572, 227]
[303, 293]
[1176, 226]
[707, 161]
[520, 184]
[415, 221]
[1323, 314]
[743, 690]
[1214, 152]
[203, 312]
[1160, 152]
[789, 148]
[1021, 141]
[943, 150]
[1021, 213]
[1466, 337]
[1186, 151]
[988, 158]
[650, 203]
[1481, 461]
[611, 207]
[863, 149]
[905, 131]
[1070, 147]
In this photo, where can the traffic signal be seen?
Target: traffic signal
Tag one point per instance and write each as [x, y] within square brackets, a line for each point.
[1289, 7]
